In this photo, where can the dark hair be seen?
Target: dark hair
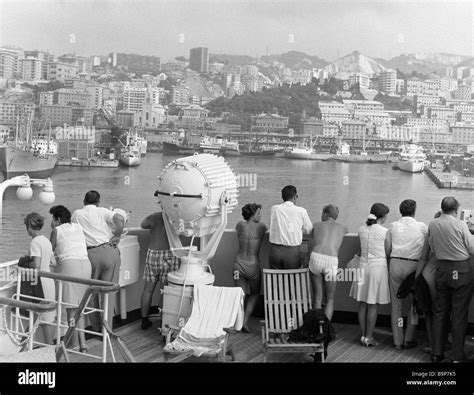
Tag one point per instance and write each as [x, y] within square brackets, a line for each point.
[249, 210]
[288, 192]
[438, 214]
[92, 197]
[331, 211]
[408, 208]
[380, 210]
[449, 204]
[34, 221]
[61, 213]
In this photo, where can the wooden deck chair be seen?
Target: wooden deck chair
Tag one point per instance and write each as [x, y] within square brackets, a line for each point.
[205, 316]
[287, 297]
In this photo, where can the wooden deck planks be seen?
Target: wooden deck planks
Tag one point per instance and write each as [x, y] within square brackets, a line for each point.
[146, 346]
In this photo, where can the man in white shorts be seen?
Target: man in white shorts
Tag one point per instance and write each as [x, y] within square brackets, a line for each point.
[327, 237]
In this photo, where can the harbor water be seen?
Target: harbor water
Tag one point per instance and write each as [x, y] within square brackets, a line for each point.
[352, 187]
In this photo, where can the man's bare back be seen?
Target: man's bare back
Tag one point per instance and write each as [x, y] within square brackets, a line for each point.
[158, 236]
[327, 237]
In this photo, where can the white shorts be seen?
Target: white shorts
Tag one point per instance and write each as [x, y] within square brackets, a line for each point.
[323, 264]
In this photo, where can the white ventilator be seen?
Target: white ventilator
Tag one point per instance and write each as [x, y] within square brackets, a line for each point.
[196, 193]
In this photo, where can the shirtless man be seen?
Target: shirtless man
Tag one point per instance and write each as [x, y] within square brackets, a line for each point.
[159, 262]
[247, 272]
[327, 237]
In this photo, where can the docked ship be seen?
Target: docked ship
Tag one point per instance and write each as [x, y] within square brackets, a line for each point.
[306, 153]
[343, 152]
[211, 145]
[179, 146]
[131, 155]
[142, 144]
[45, 146]
[230, 148]
[21, 156]
[257, 150]
[412, 159]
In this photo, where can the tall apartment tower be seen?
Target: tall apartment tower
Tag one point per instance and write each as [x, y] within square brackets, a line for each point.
[199, 59]
[389, 81]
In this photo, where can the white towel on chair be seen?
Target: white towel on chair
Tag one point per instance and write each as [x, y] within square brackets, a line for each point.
[214, 308]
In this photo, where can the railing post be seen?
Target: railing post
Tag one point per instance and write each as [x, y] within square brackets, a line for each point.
[105, 316]
[123, 304]
[58, 312]
[31, 327]
[17, 310]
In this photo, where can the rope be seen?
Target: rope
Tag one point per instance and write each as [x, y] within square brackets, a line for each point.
[12, 335]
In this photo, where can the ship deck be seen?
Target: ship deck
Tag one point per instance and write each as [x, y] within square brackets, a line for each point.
[147, 346]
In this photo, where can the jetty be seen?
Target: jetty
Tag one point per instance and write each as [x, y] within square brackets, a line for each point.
[88, 163]
[452, 180]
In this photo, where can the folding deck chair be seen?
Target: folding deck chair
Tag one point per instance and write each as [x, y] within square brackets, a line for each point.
[287, 297]
[216, 313]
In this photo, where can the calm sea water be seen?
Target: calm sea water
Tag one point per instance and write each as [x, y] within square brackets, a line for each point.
[352, 187]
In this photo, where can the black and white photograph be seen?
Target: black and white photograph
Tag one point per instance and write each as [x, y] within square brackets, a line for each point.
[251, 195]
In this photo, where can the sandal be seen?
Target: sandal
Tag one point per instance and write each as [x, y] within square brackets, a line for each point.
[371, 342]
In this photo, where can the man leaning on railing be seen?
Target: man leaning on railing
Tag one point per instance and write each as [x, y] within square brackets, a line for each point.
[102, 228]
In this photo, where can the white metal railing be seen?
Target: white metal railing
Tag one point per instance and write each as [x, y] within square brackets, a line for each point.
[16, 326]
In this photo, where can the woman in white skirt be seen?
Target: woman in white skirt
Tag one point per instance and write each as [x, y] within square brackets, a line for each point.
[371, 288]
[41, 252]
[69, 244]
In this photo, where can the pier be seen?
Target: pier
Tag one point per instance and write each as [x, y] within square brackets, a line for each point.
[452, 180]
[87, 163]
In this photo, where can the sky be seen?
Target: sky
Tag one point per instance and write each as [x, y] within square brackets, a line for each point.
[328, 29]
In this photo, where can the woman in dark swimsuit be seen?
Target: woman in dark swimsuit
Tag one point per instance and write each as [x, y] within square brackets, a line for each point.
[246, 264]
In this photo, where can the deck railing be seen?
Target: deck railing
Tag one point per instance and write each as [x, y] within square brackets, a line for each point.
[16, 326]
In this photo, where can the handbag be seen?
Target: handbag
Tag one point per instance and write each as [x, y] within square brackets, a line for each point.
[29, 287]
[354, 263]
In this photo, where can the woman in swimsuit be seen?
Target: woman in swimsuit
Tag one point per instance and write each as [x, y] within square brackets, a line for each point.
[247, 272]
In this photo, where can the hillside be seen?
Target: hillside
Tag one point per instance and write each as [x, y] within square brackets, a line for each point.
[291, 101]
[234, 60]
[296, 60]
[355, 63]
[466, 63]
[425, 63]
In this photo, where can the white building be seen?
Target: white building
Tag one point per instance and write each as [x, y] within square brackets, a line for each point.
[61, 71]
[250, 70]
[333, 111]
[463, 92]
[362, 79]
[462, 133]
[46, 98]
[440, 112]
[31, 69]
[363, 105]
[376, 117]
[96, 92]
[425, 100]
[151, 116]
[400, 133]
[400, 88]
[389, 81]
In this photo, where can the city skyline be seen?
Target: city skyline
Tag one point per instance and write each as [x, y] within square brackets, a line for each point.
[326, 29]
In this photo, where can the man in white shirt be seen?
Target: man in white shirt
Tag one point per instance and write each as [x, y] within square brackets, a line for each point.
[288, 222]
[408, 238]
[102, 230]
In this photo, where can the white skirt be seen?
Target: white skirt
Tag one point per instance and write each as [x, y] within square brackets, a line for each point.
[373, 286]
